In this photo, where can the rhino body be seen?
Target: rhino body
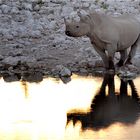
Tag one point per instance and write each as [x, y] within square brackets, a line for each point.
[108, 35]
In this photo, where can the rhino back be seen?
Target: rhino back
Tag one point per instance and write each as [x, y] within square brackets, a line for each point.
[104, 28]
[128, 29]
[123, 30]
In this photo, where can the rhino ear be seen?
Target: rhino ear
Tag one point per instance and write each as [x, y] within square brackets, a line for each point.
[79, 14]
[83, 18]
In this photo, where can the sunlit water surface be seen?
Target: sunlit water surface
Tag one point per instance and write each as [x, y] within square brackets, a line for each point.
[40, 111]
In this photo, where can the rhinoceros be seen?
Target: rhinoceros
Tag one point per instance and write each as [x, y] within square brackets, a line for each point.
[108, 34]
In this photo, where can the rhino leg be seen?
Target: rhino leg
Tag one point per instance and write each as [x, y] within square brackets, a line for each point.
[123, 58]
[111, 63]
[133, 51]
[111, 52]
[103, 56]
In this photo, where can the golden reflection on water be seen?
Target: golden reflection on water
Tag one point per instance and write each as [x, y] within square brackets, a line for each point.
[38, 111]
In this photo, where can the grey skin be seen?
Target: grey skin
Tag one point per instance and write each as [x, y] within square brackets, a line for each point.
[108, 35]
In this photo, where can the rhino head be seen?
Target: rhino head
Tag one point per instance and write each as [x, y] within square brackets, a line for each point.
[77, 28]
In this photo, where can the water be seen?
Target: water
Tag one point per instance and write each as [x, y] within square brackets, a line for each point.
[91, 108]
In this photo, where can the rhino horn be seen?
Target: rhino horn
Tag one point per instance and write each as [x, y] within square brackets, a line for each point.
[65, 20]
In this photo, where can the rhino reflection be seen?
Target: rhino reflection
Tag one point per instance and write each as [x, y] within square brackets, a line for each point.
[110, 108]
